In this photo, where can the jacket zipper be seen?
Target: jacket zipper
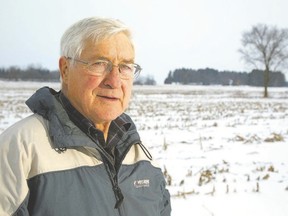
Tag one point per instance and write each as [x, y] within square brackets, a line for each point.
[112, 170]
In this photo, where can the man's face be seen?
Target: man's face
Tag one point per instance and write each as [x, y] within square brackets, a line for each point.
[99, 98]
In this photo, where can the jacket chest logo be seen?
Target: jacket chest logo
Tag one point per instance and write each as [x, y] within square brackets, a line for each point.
[141, 183]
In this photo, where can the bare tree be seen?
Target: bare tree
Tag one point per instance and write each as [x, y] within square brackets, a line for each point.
[266, 48]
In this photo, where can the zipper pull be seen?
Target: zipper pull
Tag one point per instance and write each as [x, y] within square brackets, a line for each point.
[145, 150]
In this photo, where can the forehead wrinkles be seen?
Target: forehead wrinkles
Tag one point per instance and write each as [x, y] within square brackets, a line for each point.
[117, 47]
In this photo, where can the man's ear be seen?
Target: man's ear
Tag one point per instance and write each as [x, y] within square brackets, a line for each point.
[63, 68]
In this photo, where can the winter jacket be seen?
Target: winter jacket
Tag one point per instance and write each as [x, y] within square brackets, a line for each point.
[50, 167]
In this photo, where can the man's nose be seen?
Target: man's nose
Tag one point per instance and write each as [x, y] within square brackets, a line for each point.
[112, 77]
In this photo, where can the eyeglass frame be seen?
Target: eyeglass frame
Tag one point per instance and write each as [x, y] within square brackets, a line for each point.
[110, 65]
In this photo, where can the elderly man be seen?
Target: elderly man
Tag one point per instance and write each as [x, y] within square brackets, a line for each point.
[79, 153]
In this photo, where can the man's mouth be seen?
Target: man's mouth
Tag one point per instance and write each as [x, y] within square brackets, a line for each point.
[108, 97]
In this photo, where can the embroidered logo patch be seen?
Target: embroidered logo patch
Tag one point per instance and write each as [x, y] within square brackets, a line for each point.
[142, 183]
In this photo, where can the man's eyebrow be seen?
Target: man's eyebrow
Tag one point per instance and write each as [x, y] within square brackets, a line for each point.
[100, 58]
[107, 59]
[128, 61]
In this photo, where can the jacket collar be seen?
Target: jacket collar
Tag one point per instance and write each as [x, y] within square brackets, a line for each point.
[66, 133]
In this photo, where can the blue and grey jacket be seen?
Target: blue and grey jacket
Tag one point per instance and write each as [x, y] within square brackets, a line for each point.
[50, 167]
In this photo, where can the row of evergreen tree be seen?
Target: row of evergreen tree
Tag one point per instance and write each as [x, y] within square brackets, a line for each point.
[31, 73]
[210, 76]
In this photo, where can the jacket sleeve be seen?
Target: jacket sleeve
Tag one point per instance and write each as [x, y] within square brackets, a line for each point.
[166, 202]
[13, 174]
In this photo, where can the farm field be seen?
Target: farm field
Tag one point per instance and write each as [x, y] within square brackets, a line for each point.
[223, 150]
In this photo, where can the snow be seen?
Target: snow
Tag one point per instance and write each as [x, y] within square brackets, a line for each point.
[223, 150]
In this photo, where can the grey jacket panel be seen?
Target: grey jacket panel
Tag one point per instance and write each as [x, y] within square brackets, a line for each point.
[87, 191]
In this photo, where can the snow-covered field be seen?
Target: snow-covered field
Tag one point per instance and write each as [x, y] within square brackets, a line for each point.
[223, 150]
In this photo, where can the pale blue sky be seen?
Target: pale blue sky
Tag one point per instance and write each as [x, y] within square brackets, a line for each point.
[168, 34]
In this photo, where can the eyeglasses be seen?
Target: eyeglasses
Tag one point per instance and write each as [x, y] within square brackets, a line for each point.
[100, 66]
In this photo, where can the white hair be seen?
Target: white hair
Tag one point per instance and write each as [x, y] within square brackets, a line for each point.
[95, 28]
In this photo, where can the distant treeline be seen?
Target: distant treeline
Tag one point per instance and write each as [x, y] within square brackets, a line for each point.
[210, 76]
[184, 76]
[29, 74]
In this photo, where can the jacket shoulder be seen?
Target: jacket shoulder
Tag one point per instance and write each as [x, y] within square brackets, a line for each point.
[28, 129]
[34, 121]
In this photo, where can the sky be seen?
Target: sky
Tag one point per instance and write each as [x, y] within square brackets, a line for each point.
[168, 34]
